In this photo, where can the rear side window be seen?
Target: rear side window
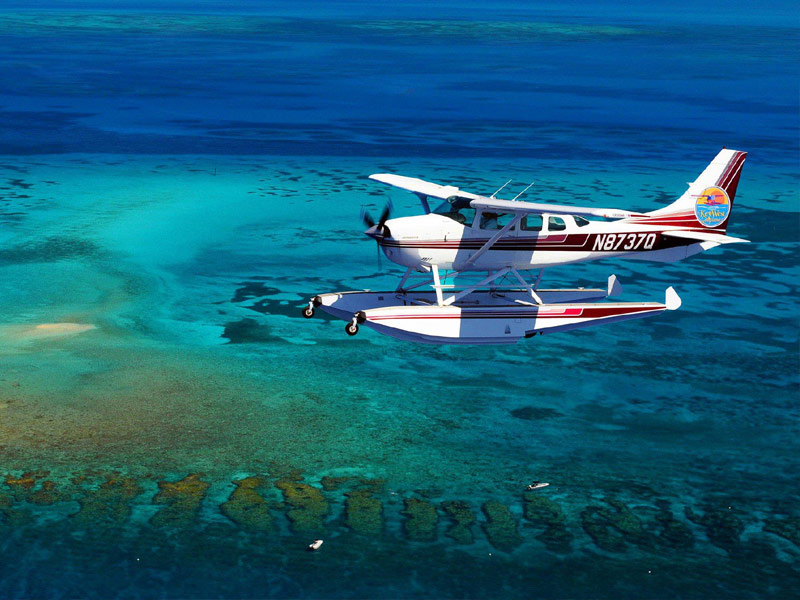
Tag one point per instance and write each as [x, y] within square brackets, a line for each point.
[556, 224]
[581, 222]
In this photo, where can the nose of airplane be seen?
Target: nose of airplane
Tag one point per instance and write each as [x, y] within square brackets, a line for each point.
[379, 232]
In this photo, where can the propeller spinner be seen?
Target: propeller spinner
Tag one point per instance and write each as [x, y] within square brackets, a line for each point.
[379, 230]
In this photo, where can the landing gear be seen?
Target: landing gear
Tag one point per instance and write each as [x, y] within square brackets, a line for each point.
[308, 311]
[352, 327]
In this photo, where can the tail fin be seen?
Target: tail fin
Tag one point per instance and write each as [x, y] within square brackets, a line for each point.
[707, 204]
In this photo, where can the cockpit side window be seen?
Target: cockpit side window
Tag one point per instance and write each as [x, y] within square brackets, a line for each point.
[556, 224]
[494, 220]
[531, 223]
[457, 209]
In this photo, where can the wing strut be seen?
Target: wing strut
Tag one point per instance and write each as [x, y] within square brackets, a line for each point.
[528, 287]
[491, 241]
[468, 290]
[426, 208]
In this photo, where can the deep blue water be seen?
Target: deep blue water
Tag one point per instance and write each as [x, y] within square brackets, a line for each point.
[176, 181]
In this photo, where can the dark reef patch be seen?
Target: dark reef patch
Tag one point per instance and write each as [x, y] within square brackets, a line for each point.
[247, 507]
[500, 526]
[788, 529]
[51, 249]
[610, 528]
[20, 183]
[722, 526]
[462, 517]
[307, 505]
[253, 289]
[108, 505]
[540, 510]
[420, 524]
[363, 512]
[247, 331]
[182, 499]
[674, 533]
[535, 413]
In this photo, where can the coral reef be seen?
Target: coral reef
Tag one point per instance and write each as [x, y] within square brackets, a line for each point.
[330, 484]
[420, 525]
[540, 510]
[247, 331]
[363, 512]
[109, 504]
[23, 488]
[9, 515]
[462, 518]
[47, 494]
[22, 484]
[247, 507]
[500, 526]
[722, 526]
[788, 529]
[307, 504]
[534, 413]
[183, 499]
[674, 533]
[610, 529]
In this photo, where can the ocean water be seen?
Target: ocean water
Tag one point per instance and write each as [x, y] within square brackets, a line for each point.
[176, 182]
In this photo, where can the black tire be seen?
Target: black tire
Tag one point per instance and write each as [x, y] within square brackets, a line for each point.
[351, 328]
[308, 312]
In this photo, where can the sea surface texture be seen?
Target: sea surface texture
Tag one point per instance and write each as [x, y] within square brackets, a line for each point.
[177, 180]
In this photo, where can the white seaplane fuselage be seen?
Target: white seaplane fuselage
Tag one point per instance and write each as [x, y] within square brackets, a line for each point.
[433, 239]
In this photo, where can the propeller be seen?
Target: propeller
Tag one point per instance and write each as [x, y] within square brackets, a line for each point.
[378, 231]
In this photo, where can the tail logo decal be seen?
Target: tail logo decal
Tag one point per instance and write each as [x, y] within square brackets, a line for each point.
[712, 207]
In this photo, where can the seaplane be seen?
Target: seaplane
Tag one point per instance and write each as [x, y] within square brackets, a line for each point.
[469, 260]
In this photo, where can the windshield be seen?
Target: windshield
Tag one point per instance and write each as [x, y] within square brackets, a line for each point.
[457, 209]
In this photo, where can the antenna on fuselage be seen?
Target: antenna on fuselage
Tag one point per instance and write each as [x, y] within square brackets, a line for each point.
[501, 188]
[523, 191]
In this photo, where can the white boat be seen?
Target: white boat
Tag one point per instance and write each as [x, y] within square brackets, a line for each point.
[536, 485]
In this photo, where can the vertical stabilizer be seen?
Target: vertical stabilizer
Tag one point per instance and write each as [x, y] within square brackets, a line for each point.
[708, 203]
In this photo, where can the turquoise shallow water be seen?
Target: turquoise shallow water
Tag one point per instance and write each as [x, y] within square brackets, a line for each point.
[670, 443]
[175, 182]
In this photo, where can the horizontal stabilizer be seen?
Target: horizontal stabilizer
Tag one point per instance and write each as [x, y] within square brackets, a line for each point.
[702, 236]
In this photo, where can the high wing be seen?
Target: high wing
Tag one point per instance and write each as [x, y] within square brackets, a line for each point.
[433, 190]
[517, 207]
[422, 188]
